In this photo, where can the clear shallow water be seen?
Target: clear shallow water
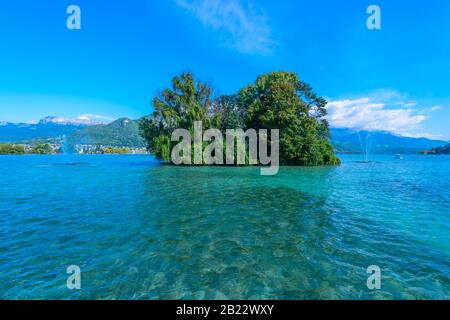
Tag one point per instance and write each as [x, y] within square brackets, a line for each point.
[139, 230]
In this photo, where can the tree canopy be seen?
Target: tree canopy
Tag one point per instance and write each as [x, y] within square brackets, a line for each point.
[277, 100]
[6, 148]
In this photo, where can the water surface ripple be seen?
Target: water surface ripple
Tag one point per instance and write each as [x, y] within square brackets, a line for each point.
[139, 230]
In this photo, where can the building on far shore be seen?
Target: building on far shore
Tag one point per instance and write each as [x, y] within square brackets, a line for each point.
[102, 149]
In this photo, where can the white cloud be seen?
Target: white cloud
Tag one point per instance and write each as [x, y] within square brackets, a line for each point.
[407, 104]
[243, 29]
[436, 108]
[320, 68]
[95, 118]
[86, 119]
[366, 114]
[423, 135]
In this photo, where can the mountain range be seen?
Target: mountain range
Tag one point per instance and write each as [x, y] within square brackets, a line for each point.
[124, 132]
[352, 141]
[47, 128]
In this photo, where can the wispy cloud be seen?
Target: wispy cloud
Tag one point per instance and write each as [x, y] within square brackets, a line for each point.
[436, 108]
[95, 118]
[320, 68]
[367, 114]
[408, 104]
[240, 26]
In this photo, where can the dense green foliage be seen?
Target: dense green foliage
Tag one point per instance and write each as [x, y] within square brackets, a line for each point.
[280, 100]
[178, 107]
[120, 133]
[11, 149]
[41, 149]
[7, 148]
[277, 100]
[115, 150]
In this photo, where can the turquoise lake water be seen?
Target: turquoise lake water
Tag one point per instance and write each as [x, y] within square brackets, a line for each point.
[139, 230]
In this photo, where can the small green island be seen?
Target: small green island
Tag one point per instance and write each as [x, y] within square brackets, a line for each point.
[17, 149]
[445, 150]
[50, 148]
[277, 100]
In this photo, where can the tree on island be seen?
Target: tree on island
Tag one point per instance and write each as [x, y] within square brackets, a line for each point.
[439, 150]
[44, 148]
[9, 149]
[278, 100]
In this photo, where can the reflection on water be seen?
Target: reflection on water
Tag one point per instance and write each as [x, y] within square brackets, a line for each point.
[72, 164]
[144, 231]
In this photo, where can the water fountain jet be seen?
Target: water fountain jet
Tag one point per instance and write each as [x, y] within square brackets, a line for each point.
[366, 143]
[65, 146]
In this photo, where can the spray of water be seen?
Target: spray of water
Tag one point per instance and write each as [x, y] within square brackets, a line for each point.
[65, 148]
[366, 144]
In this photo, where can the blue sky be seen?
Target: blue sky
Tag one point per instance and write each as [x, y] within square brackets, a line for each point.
[395, 79]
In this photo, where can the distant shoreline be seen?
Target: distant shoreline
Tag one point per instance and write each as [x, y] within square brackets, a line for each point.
[49, 149]
[75, 154]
